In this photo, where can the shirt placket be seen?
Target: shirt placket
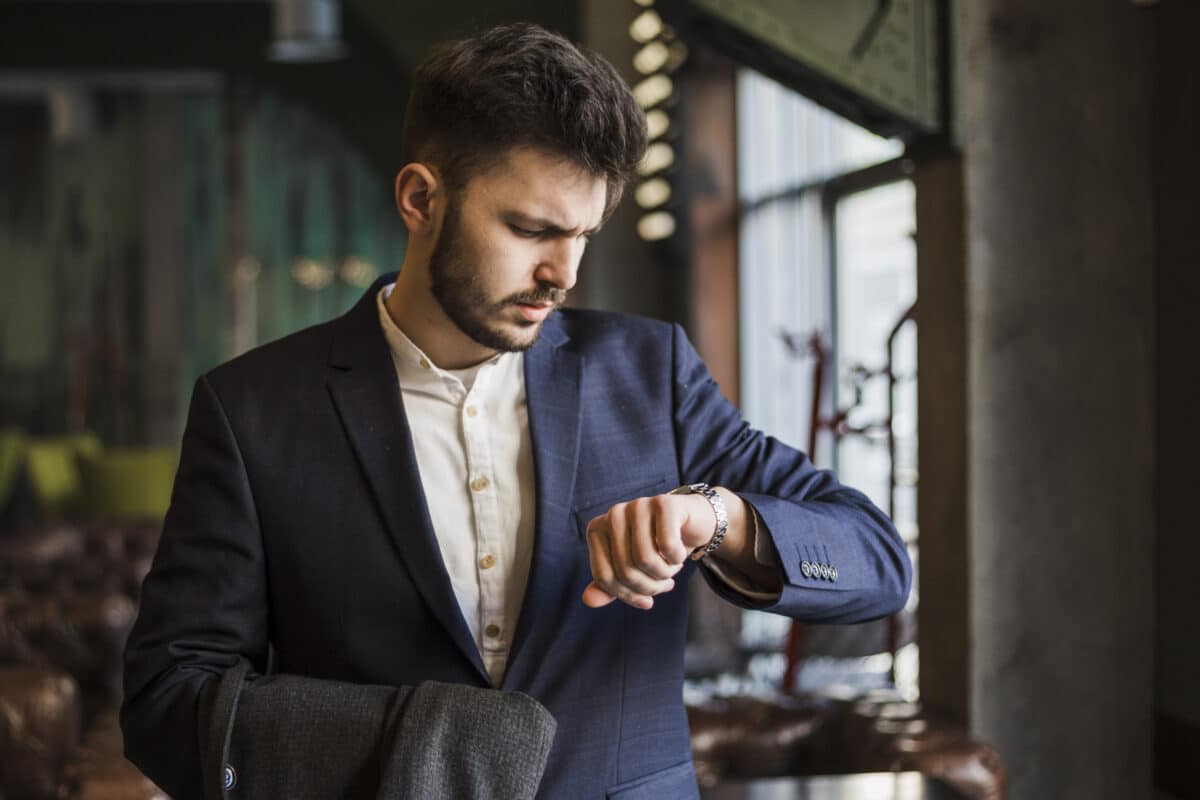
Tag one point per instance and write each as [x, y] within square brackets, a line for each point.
[489, 562]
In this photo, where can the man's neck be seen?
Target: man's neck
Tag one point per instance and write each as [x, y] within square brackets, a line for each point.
[419, 315]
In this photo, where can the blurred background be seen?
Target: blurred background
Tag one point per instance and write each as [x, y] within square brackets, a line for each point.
[947, 247]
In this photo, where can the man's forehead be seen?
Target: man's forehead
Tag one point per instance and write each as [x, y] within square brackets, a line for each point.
[545, 186]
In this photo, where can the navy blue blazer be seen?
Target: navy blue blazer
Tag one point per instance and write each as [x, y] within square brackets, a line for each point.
[298, 520]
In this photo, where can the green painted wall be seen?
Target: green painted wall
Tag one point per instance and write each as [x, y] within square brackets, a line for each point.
[254, 188]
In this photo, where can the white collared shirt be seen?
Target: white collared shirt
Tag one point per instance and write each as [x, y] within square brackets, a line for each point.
[470, 431]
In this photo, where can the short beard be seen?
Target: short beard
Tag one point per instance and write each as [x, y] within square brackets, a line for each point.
[456, 287]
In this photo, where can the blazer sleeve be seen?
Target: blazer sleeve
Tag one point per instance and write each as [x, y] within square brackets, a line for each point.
[203, 604]
[808, 515]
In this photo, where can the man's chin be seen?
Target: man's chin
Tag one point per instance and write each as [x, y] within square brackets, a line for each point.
[509, 337]
[527, 338]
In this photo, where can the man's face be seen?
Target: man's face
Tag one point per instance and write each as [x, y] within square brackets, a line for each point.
[510, 243]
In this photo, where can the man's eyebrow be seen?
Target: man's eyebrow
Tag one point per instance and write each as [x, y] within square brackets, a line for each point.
[543, 224]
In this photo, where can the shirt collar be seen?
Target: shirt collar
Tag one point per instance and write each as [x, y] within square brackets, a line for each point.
[411, 362]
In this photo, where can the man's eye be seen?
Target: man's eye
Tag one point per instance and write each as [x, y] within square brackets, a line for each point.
[528, 234]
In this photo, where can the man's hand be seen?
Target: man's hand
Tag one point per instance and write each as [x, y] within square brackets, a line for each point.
[638, 546]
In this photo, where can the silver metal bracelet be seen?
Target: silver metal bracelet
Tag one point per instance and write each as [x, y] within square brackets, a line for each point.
[718, 506]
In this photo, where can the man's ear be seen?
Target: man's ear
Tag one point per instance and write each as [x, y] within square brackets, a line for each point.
[418, 190]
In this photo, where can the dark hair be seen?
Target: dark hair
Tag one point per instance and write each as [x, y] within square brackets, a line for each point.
[475, 99]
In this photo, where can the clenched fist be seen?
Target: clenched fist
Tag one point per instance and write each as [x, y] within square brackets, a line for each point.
[638, 546]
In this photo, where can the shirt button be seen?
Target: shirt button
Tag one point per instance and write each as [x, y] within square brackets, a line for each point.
[479, 484]
[488, 561]
[424, 362]
[492, 631]
[472, 411]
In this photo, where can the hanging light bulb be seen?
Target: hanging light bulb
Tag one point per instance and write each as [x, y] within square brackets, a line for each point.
[657, 123]
[677, 53]
[653, 90]
[655, 59]
[658, 156]
[651, 58]
[656, 225]
[646, 26]
[357, 271]
[311, 274]
[246, 270]
[653, 193]
[307, 31]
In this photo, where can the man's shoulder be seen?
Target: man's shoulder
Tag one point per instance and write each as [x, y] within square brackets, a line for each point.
[277, 364]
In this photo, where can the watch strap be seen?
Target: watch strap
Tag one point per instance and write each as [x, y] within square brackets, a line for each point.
[718, 506]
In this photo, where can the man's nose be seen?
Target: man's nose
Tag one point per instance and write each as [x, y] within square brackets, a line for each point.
[559, 264]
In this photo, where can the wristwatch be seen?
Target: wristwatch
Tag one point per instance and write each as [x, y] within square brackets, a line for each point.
[718, 507]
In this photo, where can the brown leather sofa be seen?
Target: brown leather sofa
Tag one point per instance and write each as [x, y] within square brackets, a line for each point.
[40, 716]
[67, 601]
[743, 738]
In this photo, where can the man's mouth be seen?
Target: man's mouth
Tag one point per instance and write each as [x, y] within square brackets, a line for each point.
[535, 312]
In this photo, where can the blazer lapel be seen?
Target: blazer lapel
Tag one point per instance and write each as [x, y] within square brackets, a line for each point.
[367, 396]
[552, 395]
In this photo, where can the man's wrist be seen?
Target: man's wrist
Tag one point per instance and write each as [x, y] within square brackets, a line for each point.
[740, 550]
[720, 513]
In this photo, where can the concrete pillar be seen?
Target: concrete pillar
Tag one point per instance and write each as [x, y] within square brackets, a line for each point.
[1177, 394]
[942, 616]
[1059, 296]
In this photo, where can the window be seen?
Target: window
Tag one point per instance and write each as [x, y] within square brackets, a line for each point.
[827, 273]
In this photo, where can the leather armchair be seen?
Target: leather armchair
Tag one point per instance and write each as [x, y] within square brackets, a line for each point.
[67, 603]
[749, 737]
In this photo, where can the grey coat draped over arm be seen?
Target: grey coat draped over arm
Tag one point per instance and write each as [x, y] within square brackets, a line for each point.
[301, 738]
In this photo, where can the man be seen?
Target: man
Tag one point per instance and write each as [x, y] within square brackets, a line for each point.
[456, 479]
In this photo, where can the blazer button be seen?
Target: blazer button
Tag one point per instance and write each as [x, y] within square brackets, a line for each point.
[826, 573]
[229, 778]
[833, 573]
[806, 569]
